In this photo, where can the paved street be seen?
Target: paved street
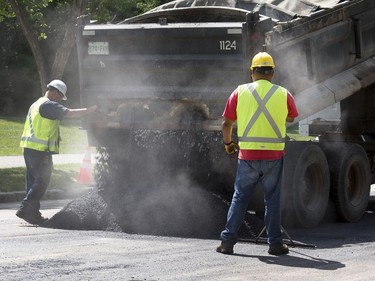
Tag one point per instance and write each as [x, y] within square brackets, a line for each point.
[344, 252]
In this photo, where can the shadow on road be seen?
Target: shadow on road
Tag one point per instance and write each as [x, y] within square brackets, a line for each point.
[335, 234]
[305, 261]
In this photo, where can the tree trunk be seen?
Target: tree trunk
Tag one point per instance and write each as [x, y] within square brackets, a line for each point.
[32, 38]
[68, 42]
[63, 52]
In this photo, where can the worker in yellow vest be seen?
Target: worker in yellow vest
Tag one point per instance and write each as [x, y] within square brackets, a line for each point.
[40, 139]
[261, 110]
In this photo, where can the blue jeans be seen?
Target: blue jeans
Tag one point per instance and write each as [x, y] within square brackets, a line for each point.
[38, 174]
[249, 173]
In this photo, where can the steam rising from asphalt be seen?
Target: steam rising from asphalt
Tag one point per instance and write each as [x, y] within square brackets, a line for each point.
[159, 183]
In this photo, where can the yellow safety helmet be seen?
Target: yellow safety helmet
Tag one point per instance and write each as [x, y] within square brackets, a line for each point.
[262, 59]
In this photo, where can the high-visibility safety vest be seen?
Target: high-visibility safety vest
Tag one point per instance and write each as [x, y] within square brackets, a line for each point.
[40, 133]
[261, 115]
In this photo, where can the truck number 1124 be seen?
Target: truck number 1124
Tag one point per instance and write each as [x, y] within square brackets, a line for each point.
[227, 45]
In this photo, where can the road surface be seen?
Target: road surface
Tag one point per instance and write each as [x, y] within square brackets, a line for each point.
[344, 252]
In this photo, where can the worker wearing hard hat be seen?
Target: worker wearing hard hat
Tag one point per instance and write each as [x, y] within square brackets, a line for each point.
[260, 109]
[41, 139]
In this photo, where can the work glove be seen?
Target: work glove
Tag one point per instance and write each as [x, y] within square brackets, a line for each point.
[231, 148]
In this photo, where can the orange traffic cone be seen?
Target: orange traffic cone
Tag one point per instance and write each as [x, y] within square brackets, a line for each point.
[85, 175]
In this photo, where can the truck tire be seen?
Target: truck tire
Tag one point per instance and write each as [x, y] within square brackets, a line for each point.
[350, 179]
[306, 185]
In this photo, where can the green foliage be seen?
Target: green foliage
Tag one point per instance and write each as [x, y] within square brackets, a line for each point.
[19, 79]
[147, 5]
[114, 11]
[55, 15]
[35, 10]
[17, 66]
[5, 11]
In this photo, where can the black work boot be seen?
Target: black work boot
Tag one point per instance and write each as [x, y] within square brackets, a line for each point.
[40, 219]
[278, 249]
[32, 218]
[225, 248]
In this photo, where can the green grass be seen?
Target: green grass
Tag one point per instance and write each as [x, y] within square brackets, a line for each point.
[63, 177]
[12, 179]
[10, 134]
[74, 140]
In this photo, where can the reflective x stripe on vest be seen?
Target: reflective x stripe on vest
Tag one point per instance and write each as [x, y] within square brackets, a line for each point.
[32, 137]
[47, 134]
[262, 109]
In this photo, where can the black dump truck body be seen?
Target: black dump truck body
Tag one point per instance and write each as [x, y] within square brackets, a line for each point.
[174, 67]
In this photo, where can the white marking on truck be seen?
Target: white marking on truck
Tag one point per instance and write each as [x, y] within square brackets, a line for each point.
[98, 48]
[234, 31]
[88, 32]
[227, 45]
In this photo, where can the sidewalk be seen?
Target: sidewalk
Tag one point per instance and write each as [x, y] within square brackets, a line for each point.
[18, 161]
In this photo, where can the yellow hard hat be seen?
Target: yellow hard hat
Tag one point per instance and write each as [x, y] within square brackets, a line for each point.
[262, 59]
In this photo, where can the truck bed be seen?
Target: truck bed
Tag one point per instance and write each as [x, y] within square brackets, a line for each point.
[183, 59]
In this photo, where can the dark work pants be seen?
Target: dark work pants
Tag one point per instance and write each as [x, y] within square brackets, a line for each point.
[38, 174]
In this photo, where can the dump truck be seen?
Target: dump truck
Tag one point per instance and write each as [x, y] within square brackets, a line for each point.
[173, 68]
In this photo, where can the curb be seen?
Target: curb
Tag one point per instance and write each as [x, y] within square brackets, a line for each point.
[52, 194]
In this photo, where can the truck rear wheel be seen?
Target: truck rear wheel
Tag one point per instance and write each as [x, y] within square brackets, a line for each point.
[306, 185]
[350, 179]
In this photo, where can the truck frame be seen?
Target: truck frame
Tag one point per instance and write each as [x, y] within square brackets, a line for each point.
[173, 68]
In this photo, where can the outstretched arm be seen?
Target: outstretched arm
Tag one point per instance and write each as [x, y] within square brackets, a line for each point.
[80, 112]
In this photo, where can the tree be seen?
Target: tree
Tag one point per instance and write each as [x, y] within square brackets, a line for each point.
[117, 10]
[49, 30]
[30, 16]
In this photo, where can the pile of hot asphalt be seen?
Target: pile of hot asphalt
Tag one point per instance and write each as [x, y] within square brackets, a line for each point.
[173, 184]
